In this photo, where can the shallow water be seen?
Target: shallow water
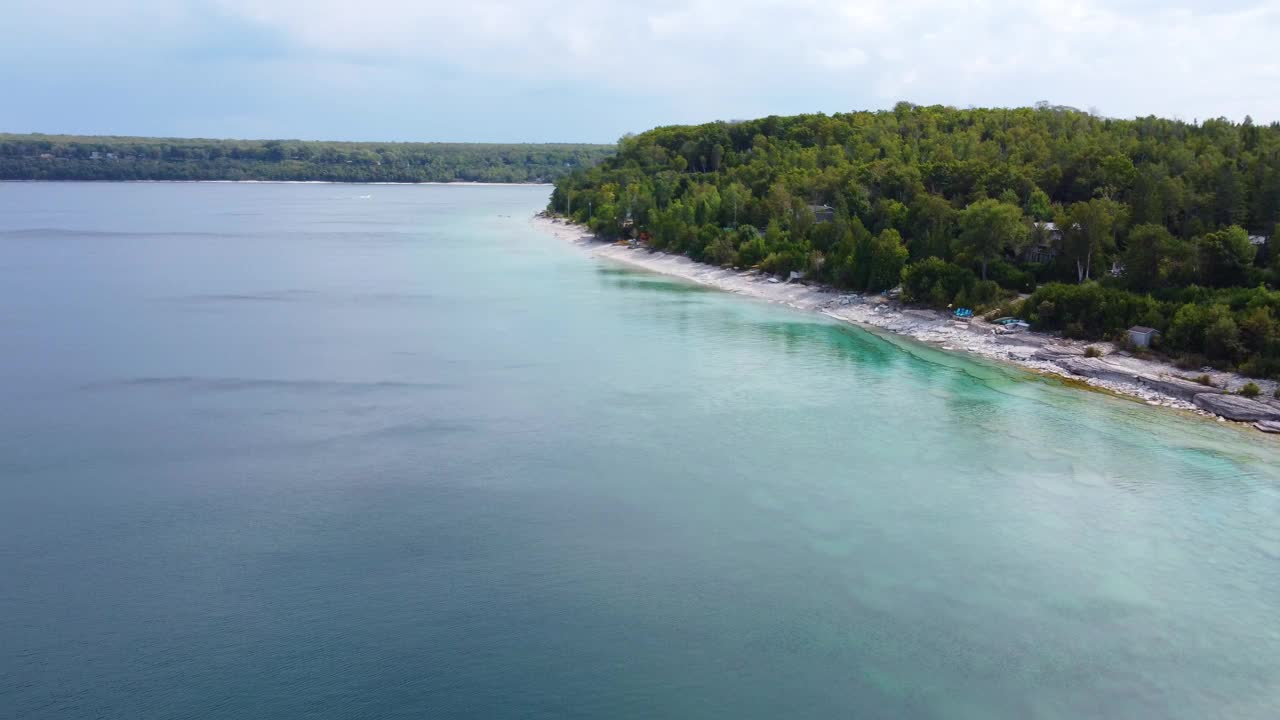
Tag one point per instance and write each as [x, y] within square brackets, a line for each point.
[287, 451]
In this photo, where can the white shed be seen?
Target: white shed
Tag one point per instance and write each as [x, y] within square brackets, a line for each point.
[1142, 336]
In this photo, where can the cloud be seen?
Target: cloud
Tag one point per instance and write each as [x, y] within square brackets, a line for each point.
[662, 61]
[839, 58]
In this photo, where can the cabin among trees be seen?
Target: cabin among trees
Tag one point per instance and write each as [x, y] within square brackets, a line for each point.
[1045, 239]
[823, 213]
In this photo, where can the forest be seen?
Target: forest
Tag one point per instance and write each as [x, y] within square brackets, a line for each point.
[72, 157]
[1080, 224]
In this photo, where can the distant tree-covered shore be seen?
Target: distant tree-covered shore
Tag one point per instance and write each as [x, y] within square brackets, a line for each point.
[78, 157]
[1081, 224]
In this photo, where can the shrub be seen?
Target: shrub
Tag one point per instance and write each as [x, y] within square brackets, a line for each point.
[1251, 390]
[985, 292]
[1092, 352]
[720, 251]
[1222, 339]
[1190, 361]
[1204, 380]
[1260, 366]
[752, 252]
[1007, 308]
[1011, 278]
[888, 255]
[1089, 310]
[1276, 394]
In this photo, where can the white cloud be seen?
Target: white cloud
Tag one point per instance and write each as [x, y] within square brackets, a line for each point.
[702, 59]
[1128, 58]
[839, 58]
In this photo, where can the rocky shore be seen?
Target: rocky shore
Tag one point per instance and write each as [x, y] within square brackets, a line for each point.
[1151, 381]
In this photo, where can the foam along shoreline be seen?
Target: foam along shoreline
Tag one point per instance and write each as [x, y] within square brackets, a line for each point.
[1150, 381]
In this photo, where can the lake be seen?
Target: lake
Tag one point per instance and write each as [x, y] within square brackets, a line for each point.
[361, 451]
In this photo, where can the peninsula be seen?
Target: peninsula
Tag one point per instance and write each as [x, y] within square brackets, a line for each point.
[81, 157]
[1082, 226]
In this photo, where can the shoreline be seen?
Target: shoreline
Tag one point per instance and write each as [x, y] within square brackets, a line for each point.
[1145, 380]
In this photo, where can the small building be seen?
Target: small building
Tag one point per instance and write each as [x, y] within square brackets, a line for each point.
[1051, 230]
[1142, 336]
[1257, 240]
[823, 213]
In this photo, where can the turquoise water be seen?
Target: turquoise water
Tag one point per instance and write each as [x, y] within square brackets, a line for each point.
[333, 451]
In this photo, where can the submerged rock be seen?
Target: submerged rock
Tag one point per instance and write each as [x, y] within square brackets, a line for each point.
[1234, 407]
[1268, 426]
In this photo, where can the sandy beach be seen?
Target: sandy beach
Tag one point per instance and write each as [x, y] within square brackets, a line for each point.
[1146, 380]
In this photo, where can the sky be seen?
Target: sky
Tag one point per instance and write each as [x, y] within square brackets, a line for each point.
[593, 70]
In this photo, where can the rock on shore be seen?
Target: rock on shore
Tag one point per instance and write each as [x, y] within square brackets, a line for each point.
[1175, 386]
[1235, 407]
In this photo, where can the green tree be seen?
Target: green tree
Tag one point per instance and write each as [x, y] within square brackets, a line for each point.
[932, 223]
[887, 257]
[733, 199]
[1088, 231]
[1147, 247]
[1225, 257]
[989, 228]
[1039, 206]
[1222, 338]
[934, 281]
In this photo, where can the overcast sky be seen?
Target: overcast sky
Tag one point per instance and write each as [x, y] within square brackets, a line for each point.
[579, 70]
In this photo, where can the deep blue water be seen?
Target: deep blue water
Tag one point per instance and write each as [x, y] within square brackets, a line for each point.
[326, 451]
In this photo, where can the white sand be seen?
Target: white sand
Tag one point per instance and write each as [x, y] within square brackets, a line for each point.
[1037, 352]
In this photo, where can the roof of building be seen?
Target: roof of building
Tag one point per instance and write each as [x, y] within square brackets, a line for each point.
[1053, 227]
[1141, 330]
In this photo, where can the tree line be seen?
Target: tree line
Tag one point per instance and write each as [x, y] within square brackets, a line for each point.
[71, 157]
[1083, 224]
